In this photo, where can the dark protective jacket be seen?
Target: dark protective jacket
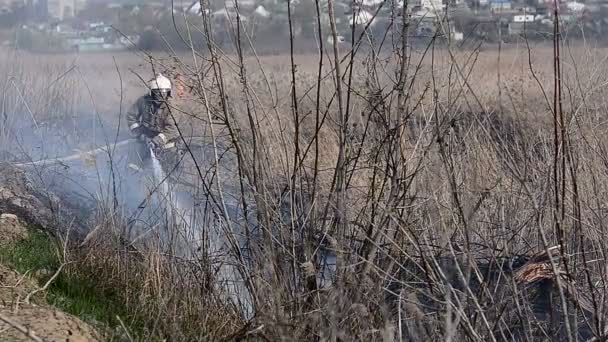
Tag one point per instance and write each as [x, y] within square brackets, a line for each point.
[152, 118]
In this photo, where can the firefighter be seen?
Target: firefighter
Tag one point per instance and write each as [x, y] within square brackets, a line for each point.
[151, 123]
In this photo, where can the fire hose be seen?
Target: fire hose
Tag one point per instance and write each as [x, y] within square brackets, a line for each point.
[86, 155]
[76, 156]
[93, 152]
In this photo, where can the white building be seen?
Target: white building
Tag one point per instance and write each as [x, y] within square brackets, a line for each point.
[500, 5]
[330, 39]
[527, 18]
[432, 5]
[61, 9]
[575, 6]
[372, 3]
[262, 12]
[362, 17]
[243, 4]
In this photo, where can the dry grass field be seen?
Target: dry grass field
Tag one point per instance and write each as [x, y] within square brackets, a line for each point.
[397, 206]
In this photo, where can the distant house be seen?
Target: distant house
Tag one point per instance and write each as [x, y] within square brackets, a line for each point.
[86, 43]
[500, 5]
[425, 22]
[243, 4]
[520, 9]
[129, 41]
[226, 17]
[195, 8]
[262, 12]
[330, 39]
[362, 17]
[424, 14]
[372, 3]
[575, 7]
[527, 18]
[433, 5]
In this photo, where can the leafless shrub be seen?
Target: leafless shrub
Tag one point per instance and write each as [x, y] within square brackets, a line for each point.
[379, 193]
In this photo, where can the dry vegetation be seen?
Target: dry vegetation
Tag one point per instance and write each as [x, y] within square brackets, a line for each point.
[438, 183]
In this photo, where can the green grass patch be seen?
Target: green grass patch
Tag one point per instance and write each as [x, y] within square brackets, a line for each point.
[33, 254]
[71, 292]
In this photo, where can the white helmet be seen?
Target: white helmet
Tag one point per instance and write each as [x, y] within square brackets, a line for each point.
[160, 83]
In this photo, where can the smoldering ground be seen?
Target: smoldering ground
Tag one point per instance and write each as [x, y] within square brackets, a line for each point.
[66, 130]
[70, 111]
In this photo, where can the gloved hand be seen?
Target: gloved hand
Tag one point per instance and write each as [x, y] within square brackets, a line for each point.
[159, 141]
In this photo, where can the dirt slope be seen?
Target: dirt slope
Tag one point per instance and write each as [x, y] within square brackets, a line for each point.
[46, 323]
[41, 320]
